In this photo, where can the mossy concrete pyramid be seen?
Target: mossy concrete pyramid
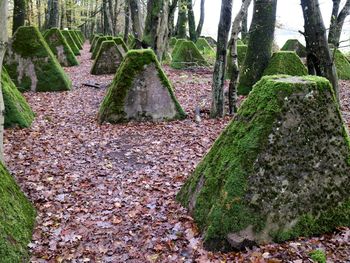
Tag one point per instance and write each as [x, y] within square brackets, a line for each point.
[16, 220]
[203, 46]
[285, 62]
[177, 46]
[80, 35]
[140, 91]
[280, 170]
[188, 56]
[32, 65]
[93, 42]
[121, 44]
[60, 48]
[71, 42]
[342, 65]
[17, 111]
[173, 41]
[294, 45]
[108, 58]
[98, 46]
[75, 39]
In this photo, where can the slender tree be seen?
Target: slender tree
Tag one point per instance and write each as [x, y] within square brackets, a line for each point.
[191, 21]
[172, 9]
[126, 21]
[52, 14]
[319, 58]
[261, 35]
[217, 104]
[181, 27]
[19, 14]
[3, 43]
[337, 21]
[136, 18]
[201, 19]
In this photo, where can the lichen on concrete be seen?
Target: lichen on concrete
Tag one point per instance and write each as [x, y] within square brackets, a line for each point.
[187, 55]
[280, 170]
[285, 62]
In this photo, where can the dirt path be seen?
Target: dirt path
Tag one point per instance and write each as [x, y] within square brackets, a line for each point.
[106, 193]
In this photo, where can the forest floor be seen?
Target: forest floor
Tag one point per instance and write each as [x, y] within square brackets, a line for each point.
[106, 193]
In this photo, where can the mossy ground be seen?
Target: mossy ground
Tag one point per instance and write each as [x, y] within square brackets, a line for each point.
[285, 62]
[217, 192]
[60, 48]
[342, 65]
[17, 111]
[71, 42]
[98, 46]
[32, 65]
[17, 217]
[295, 45]
[133, 64]
[187, 55]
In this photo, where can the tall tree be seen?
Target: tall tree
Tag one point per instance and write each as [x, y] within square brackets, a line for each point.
[52, 15]
[261, 35]
[3, 43]
[126, 21]
[319, 58]
[337, 21]
[217, 103]
[156, 28]
[172, 9]
[136, 18]
[181, 27]
[19, 14]
[191, 21]
[201, 19]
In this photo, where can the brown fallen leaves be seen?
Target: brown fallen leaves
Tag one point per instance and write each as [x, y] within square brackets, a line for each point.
[106, 193]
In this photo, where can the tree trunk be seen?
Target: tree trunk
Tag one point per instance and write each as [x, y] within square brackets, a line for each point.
[319, 59]
[191, 22]
[217, 104]
[337, 22]
[52, 17]
[182, 19]
[69, 13]
[136, 19]
[201, 19]
[172, 8]
[19, 14]
[127, 21]
[3, 43]
[156, 27]
[233, 56]
[244, 31]
[261, 35]
[38, 8]
[110, 17]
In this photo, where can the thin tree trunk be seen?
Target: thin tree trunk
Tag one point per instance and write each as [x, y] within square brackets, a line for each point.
[233, 56]
[182, 19]
[19, 14]
[135, 18]
[110, 17]
[127, 21]
[191, 22]
[337, 22]
[244, 31]
[38, 8]
[217, 104]
[3, 43]
[172, 8]
[53, 14]
[201, 19]
[319, 58]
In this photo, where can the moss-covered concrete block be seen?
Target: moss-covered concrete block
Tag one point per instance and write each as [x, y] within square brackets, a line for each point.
[280, 170]
[80, 35]
[75, 39]
[342, 64]
[203, 46]
[60, 48]
[172, 42]
[187, 55]
[108, 58]
[295, 45]
[121, 44]
[210, 40]
[71, 42]
[17, 111]
[17, 219]
[98, 46]
[285, 62]
[177, 46]
[32, 65]
[93, 43]
[140, 91]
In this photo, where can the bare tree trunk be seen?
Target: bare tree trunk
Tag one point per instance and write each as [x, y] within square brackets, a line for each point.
[337, 22]
[217, 104]
[191, 22]
[136, 19]
[52, 18]
[244, 31]
[127, 21]
[19, 14]
[319, 59]
[182, 20]
[110, 17]
[172, 8]
[201, 19]
[3, 43]
[38, 8]
[234, 74]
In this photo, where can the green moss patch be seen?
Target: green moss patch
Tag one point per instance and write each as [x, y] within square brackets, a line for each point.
[98, 46]
[278, 171]
[60, 48]
[108, 58]
[285, 62]
[342, 65]
[140, 91]
[17, 217]
[17, 111]
[187, 56]
[295, 45]
[32, 65]
[71, 42]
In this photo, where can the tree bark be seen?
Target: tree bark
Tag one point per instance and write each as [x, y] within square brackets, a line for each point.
[319, 58]
[127, 21]
[19, 14]
[217, 104]
[182, 19]
[172, 8]
[244, 31]
[201, 19]
[191, 22]
[337, 22]
[52, 18]
[261, 35]
[3, 43]
[136, 19]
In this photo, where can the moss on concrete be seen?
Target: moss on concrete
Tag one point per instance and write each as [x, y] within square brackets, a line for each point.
[32, 65]
[17, 217]
[278, 171]
[203, 46]
[120, 42]
[187, 55]
[98, 46]
[285, 62]
[108, 58]
[295, 45]
[60, 48]
[177, 46]
[75, 39]
[134, 64]
[342, 65]
[80, 35]
[71, 42]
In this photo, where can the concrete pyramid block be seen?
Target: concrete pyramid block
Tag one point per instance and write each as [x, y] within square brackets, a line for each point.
[140, 91]
[203, 46]
[32, 65]
[98, 46]
[280, 170]
[187, 55]
[71, 42]
[121, 44]
[285, 62]
[76, 39]
[60, 48]
[295, 45]
[93, 41]
[342, 64]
